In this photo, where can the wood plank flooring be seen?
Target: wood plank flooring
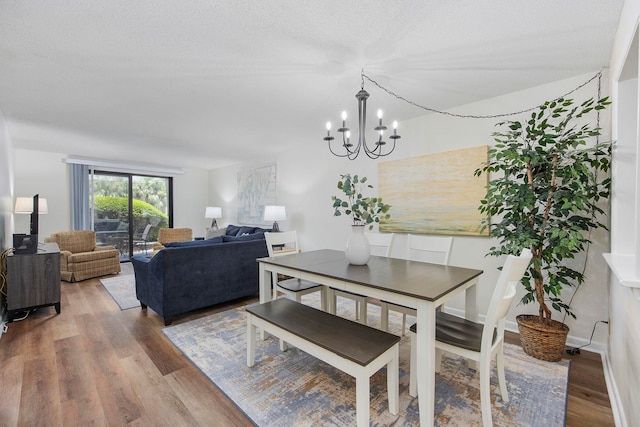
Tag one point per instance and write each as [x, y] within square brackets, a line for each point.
[94, 364]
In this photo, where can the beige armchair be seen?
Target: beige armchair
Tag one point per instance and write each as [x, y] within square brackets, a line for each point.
[81, 259]
[166, 235]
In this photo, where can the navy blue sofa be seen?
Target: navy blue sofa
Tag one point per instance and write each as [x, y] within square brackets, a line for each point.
[186, 276]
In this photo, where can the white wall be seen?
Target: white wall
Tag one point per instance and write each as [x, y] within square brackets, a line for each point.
[622, 360]
[6, 186]
[190, 194]
[6, 200]
[45, 173]
[306, 179]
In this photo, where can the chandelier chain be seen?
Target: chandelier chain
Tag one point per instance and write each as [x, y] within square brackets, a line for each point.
[598, 76]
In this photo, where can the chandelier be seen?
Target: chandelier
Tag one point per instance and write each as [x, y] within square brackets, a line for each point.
[351, 151]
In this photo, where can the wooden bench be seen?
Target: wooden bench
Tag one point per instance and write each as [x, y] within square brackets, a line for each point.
[355, 349]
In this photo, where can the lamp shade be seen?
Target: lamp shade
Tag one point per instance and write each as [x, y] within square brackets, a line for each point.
[213, 212]
[274, 213]
[24, 205]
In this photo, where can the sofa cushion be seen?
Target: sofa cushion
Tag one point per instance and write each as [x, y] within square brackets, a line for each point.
[232, 230]
[212, 241]
[246, 230]
[246, 237]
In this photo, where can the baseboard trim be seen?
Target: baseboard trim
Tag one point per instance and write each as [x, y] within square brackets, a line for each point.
[595, 347]
[614, 396]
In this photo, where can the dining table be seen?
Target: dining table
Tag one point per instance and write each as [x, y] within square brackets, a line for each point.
[419, 285]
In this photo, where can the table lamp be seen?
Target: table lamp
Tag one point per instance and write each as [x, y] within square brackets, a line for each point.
[275, 214]
[213, 212]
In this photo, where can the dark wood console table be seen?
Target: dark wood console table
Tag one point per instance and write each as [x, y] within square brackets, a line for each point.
[33, 280]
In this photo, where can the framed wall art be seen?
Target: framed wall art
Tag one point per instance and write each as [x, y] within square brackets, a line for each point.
[256, 188]
[435, 193]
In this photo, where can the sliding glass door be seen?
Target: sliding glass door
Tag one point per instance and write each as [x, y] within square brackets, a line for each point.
[128, 210]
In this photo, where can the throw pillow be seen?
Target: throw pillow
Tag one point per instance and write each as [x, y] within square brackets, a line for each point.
[259, 230]
[246, 230]
[232, 230]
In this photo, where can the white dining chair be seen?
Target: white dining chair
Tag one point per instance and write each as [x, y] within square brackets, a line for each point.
[380, 244]
[476, 341]
[294, 288]
[425, 248]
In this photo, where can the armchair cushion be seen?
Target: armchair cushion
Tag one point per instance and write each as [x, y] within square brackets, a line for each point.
[93, 255]
[76, 241]
[166, 235]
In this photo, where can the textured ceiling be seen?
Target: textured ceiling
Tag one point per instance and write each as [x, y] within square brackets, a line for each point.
[209, 83]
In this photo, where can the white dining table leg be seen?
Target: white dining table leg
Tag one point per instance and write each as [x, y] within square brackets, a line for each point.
[264, 285]
[426, 367]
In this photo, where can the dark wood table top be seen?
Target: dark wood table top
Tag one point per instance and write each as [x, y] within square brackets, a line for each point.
[413, 278]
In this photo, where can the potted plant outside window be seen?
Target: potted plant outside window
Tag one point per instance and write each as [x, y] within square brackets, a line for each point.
[364, 211]
[547, 181]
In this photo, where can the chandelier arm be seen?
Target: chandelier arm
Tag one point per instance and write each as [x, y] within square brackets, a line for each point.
[377, 152]
[339, 155]
[388, 152]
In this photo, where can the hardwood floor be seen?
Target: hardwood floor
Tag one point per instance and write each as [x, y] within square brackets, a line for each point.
[94, 364]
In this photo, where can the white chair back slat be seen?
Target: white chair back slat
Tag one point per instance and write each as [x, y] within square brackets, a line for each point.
[427, 248]
[380, 243]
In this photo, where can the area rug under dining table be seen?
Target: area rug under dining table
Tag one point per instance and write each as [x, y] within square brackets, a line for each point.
[294, 389]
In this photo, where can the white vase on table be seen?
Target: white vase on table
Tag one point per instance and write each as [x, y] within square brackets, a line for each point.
[358, 250]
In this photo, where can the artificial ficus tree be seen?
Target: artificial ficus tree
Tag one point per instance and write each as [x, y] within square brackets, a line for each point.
[548, 177]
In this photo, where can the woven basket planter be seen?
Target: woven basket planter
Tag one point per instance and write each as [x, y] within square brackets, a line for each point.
[542, 341]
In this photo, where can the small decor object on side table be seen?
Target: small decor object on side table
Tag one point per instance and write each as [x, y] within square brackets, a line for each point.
[364, 211]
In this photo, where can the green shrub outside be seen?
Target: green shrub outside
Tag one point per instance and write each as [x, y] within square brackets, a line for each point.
[143, 214]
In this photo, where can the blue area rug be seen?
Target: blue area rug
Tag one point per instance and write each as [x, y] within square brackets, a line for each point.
[293, 388]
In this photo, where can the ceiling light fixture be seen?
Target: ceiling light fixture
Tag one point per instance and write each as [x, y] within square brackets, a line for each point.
[352, 152]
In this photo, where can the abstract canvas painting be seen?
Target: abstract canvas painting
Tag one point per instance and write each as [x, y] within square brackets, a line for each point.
[434, 193]
[256, 188]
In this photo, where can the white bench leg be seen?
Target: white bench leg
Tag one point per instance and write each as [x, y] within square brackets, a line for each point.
[251, 341]
[393, 382]
[362, 400]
